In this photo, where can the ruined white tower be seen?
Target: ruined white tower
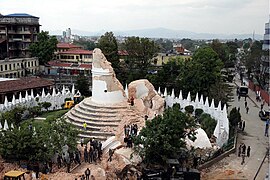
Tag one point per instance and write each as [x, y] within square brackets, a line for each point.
[106, 89]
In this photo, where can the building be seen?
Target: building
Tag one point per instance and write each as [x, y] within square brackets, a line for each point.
[17, 32]
[266, 38]
[70, 61]
[19, 67]
[10, 87]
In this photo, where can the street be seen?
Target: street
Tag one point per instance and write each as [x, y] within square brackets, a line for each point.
[253, 136]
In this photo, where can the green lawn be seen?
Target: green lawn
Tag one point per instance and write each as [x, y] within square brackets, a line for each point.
[57, 113]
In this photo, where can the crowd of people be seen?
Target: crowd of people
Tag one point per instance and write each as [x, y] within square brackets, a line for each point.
[68, 158]
[130, 131]
[243, 151]
[94, 153]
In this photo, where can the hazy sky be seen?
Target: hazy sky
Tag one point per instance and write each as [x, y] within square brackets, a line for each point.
[206, 16]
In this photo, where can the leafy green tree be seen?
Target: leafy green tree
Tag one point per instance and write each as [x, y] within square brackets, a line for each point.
[89, 45]
[164, 136]
[234, 117]
[46, 105]
[39, 145]
[221, 49]
[189, 109]
[82, 84]
[165, 45]
[198, 112]
[208, 124]
[34, 111]
[108, 44]
[140, 53]
[167, 75]
[201, 72]
[44, 48]
[14, 115]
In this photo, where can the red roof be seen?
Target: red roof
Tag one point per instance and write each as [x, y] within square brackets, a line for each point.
[88, 66]
[60, 64]
[67, 46]
[24, 84]
[77, 51]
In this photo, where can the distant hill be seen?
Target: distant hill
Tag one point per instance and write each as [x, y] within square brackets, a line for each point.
[164, 33]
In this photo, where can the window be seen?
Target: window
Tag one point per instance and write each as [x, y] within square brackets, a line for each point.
[28, 64]
[5, 67]
[14, 66]
[9, 66]
[18, 64]
[1, 68]
[32, 63]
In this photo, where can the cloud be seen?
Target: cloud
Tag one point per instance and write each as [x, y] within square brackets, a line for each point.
[216, 16]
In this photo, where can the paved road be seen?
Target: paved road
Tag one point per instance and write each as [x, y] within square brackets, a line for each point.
[253, 136]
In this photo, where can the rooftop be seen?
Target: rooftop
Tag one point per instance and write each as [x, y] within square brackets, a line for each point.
[23, 84]
[69, 65]
[67, 45]
[20, 15]
[77, 51]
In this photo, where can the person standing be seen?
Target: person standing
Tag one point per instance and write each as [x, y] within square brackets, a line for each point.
[248, 151]
[247, 108]
[239, 150]
[85, 154]
[243, 125]
[261, 106]
[244, 149]
[239, 97]
[245, 104]
[266, 128]
[110, 154]
[84, 125]
[87, 173]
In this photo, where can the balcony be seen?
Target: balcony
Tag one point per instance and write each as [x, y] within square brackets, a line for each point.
[2, 31]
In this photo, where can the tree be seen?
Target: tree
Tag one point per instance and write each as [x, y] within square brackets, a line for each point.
[140, 53]
[46, 105]
[82, 84]
[108, 44]
[89, 45]
[164, 136]
[208, 124]
[201, 72]
[39, 145]
[167, 75]
[222, 51]
[14, 115]
[44, 48]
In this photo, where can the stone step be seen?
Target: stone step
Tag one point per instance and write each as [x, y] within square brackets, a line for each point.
[100, 110]
[94, 119]
[93, 105]
[94, 113]
[90, 124]
[105, 135]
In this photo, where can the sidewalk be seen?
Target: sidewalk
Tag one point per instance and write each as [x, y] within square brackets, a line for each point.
[253, 136]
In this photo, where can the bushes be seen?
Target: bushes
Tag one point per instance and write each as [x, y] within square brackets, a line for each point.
[189, 109]
[198, 112]
[208, 124]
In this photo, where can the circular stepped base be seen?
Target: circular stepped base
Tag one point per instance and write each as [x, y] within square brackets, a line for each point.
[98, 118]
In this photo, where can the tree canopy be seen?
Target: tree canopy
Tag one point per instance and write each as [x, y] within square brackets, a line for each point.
[201, 72]
[164, 136]
[82, 84]
[39, 143]
[44, 48]
[108, 44]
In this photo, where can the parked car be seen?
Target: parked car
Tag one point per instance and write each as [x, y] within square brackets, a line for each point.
[264, 115]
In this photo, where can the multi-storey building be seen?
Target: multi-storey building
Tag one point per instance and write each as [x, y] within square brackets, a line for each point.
[266, 38]
[17, 32]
